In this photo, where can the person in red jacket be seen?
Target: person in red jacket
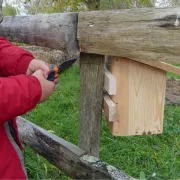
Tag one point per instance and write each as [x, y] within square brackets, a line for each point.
[23, 85]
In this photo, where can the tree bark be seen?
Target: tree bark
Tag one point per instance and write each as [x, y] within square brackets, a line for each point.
[57, 31]
[138, 34]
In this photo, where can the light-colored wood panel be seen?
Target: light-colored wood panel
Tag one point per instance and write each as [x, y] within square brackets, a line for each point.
[109, 108]
[163, 66]
[109, 82]
[138, 34]
[140, 97]
[120, 70]
[147, 88]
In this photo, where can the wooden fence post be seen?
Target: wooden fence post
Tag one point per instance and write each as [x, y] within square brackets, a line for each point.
[91, 92]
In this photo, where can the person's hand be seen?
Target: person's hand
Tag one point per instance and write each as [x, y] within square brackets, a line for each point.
[48, 87]
[35, 64]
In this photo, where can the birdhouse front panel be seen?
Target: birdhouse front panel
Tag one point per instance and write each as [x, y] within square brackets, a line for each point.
[139, 98]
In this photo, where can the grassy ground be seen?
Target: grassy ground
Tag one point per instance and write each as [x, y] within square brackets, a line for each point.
[157, 156]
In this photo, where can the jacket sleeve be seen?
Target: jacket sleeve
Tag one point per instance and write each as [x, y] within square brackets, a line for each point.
[13, 60]
[18, 95]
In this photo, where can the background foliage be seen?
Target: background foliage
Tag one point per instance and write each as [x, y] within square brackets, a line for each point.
[9, 10]
[56, 6]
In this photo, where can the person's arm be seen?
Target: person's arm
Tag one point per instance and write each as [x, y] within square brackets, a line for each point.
[16, 61]
[13, 60]
[18, 95]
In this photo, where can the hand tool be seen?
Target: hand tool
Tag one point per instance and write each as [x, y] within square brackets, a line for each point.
[56, 71]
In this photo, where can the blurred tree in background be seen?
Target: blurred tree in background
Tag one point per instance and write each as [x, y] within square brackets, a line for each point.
[50, 6]
[9, 10]
[55, 6]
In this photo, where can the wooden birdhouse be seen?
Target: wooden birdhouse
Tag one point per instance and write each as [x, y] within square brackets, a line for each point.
[135, 96]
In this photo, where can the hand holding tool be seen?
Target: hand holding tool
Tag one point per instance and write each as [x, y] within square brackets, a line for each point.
[56, 71]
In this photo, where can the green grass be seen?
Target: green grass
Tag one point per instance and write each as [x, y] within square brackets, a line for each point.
[152, 154]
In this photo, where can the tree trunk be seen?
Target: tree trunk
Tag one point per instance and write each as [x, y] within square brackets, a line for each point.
[57, 31]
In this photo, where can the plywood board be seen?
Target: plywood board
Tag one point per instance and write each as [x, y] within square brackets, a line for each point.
[109, 82]
[109, 109]
[140, 98]
[163, 66]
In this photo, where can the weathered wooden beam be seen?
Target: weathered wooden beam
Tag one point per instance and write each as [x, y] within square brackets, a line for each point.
[73, 161]
[138, 34]
[56, 31]
[91, 92]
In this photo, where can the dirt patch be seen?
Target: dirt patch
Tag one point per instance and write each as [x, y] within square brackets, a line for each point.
[173, 86]
[173, 91]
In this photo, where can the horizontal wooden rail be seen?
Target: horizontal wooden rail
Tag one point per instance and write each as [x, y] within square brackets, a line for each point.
[148, 35]
[72, 160]
[138, 34]
[57, 31]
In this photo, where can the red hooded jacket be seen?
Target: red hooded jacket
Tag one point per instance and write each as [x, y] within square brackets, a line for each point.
[18, 94]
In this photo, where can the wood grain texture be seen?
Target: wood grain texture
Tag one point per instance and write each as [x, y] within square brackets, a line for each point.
[138, 34]
[140, 98]
[163, 66]
[91, 92]
[109, 82]
[121, 99]
[56, 31]
[109, 108]
[70, 159]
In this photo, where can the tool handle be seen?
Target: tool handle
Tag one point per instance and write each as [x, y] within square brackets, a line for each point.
[51, 75]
